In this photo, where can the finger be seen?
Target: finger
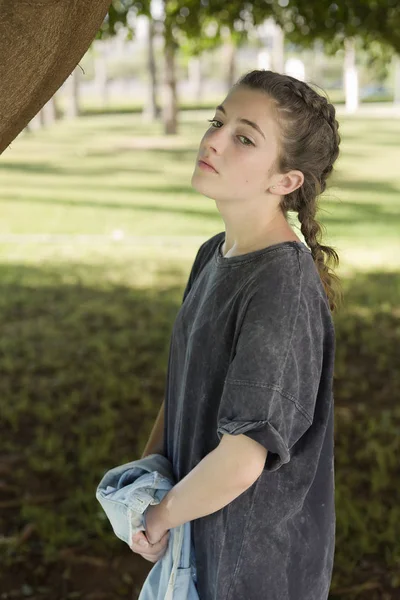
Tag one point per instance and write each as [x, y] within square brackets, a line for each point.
[150, 551]
[163, 541]
[149, 554]
[139, 535]
[157, 546]
[138, 538]
[140, 547]
[153, 558]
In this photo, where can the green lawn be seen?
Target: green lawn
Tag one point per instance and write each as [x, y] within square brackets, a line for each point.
[85, 178]
[85, 328]
[105, 173]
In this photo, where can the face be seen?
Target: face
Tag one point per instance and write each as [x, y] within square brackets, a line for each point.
[242, 155]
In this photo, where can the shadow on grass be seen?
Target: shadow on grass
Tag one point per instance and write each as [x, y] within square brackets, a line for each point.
[151, 208]
[29, 167]
[83, 376]
[346, 213]
[83, 365]
[380, 187]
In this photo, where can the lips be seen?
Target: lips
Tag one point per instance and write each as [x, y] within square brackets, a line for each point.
[209, 164]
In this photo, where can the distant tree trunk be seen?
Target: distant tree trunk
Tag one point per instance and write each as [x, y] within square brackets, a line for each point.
[170, 108]
[196, 77]
[47, 115]
[278, 50]
[350, 76]
[264, 59]
[49, 112]
[318, 61]
[229, 58]
[37, 122]
[58, 110]
[151, 110]
[396, 61]
[72, 95]
[100, 72]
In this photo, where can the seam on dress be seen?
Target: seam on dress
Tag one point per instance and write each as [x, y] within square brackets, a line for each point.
[223, 543]
[275, 388]
[238, 563]
[295, 321]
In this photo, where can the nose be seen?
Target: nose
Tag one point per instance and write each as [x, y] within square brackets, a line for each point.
[215, 141]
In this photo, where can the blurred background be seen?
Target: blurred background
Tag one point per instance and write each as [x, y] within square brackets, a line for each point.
[99, 228]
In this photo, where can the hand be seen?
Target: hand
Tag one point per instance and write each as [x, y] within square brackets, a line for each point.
[155, 538]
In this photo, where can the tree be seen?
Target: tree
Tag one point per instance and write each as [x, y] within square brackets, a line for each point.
[39, 47]
[189, 27]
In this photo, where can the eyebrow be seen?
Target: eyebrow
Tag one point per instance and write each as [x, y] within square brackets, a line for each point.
[254, 125]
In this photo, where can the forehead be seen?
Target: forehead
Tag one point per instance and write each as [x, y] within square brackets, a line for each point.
[254, 105]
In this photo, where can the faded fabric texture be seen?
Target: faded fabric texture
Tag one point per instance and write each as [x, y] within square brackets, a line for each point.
[252, 352]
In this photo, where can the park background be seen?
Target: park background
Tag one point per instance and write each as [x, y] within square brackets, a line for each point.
[99, 229]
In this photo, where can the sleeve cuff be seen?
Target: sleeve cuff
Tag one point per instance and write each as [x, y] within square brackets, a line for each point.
[262, 432]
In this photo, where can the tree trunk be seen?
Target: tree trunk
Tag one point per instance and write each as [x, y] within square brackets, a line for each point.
[151, 110]
[350, 76]
[229, 58]
[100, 73]
[49, 112]
[59, 111]
[196, 77]
[72, 95]
[396, 61]
[318, 62]
[37, 122]
[278, 50]
[170, 97]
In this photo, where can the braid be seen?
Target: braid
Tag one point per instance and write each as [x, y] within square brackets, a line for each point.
[310, 228]
[318, 105]
[309, 143]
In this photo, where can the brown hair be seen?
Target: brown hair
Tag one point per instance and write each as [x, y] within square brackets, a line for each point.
[309, 143]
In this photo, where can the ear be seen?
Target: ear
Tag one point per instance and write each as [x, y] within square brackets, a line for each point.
[288, 183]
[40, 45]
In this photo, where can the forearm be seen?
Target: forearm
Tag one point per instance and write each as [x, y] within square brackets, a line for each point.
[210, 486]
[155, 442]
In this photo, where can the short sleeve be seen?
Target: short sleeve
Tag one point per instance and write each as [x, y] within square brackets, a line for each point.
[272, 382]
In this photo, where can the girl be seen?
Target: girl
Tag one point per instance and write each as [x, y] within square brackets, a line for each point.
[249, 402]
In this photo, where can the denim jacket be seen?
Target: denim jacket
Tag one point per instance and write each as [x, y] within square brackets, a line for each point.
[124, 493]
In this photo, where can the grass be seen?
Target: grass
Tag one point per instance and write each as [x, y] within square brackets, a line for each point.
[105, 173]
[86, 323]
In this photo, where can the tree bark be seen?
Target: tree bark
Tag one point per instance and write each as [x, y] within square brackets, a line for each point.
[170, 96]
[151, 110]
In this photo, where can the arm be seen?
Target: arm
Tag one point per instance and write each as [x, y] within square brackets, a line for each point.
[156, 440]
[220, 477]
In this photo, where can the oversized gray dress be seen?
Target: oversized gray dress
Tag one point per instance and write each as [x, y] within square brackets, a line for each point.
[252, 352]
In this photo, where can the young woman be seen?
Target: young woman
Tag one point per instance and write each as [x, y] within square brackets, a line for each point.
[249, 402]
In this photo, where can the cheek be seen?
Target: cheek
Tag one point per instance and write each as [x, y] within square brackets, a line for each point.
[250, 172]
[243, 167]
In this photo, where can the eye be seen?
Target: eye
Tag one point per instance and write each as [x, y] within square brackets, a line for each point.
[239, 136]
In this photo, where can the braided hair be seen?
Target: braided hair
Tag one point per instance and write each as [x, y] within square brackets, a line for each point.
[309, 142]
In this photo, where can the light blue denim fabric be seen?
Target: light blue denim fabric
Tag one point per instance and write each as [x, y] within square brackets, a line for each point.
[125, 492]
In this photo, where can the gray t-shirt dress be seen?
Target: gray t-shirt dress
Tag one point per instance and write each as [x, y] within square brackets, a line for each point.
[252, 352]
